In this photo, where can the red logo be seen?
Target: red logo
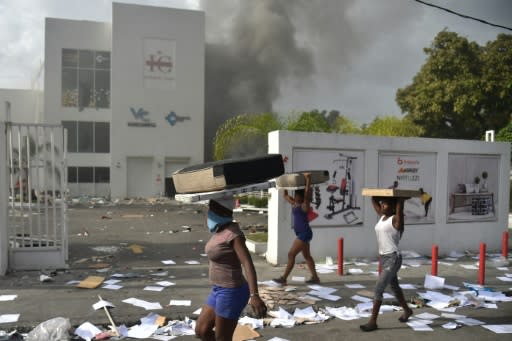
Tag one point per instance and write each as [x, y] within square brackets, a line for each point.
[159, 63]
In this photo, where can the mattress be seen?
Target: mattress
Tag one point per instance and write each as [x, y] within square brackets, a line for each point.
[297, 180]
[229, 173]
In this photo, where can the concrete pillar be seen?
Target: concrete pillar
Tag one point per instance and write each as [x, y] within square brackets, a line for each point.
[4, 196]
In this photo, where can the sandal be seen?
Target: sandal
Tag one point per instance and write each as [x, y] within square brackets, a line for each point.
[313, 281]
[405, 316]
[280, 280]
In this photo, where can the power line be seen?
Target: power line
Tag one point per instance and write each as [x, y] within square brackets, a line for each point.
[463, 15]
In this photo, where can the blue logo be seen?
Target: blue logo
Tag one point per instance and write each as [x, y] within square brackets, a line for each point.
[172, 118]
[140, 114]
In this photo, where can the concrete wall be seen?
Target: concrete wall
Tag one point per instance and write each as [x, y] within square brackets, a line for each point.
[4, 193]
[157, 71]
[360, 240]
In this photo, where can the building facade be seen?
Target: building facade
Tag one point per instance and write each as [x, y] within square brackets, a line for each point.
[130, 94]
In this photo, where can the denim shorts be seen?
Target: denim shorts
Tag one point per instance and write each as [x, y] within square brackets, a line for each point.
[228, 302]
[305, 236]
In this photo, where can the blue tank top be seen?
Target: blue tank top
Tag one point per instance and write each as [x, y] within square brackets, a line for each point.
[300, 220]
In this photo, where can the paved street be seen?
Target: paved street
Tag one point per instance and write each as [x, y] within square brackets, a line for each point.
[103, 236]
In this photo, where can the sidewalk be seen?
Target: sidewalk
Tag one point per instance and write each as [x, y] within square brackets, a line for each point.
[174, 232]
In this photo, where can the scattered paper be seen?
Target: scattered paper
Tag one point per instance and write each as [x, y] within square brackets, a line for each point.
[192, 262]
[355, 271]
[427, 316]
[180, 302]
[408, 286]
[112, 281]
[499, 328]
[433, 282]
[9, 318]
[142, 331]
[361, 299]
[504, 279]
[165, 283]
[419, 326]
[153, 288]
[102, 303]
[355, 286]
[143, 304]
[112, 287]
[469, 266]
[451, 325]
[469, 321]
[298, 279]
[244, 332]
[168, 262]
[87, 331]
[451, 287]
[8, 297]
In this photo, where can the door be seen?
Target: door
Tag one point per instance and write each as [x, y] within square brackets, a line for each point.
[139, 177]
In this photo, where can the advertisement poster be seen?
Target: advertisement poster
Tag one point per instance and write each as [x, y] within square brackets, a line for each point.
[473, 184]
[337, 202]
[411, 171]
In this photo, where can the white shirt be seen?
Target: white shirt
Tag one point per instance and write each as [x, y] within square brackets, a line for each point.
[387, 236]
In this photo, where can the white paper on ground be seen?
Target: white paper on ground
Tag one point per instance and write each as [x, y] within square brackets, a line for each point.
[307, 313]
[355, 286]
[345, 313]
[160, 274]
[499, 328]
[433, 282]
[324, 271]
[87, 331]
[180, 302]
[169, 262]
[451, 287]
[419, 327]
[275, 338]
[286, 323]
[387, 296]
[112, 281]
[8, 297]
[325, 290]
[142, 331]
[469, 321]
[469, 266]
[153, 288]
[427, 316]
[355, 271]
[453, 316]
[325, 296]
[361, 298]
[192, 262]
[408, 286]
[502, 268]
[163, 337]
[254, 323]
[450, 325]
[102, 303]
[504, 278]
[298, 279]
[8, 318]
[143, 304]
[112, 287]
[446, 263]
[165, 283]
[198, 311]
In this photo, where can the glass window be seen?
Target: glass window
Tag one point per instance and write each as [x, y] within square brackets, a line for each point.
[69, 58]
[85, 89]
[69, 88]
[101, 174]
[86, 59]
[72, 174]
[85, 175]
[85, 137]
[102, 88]
[101, 137]
[102, 60]
[72, 135]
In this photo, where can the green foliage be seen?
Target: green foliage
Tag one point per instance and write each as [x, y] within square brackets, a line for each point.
[244, 135]
[259, 237]
[392, 126]
[505, 135]
[462, 89]
[343, 125]
[309, 121]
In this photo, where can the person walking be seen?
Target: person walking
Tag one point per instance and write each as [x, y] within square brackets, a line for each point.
[426, 200]
[389, 230]
[231, 291]
[301, 202]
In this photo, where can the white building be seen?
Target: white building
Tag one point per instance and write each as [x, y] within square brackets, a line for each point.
[130, 94]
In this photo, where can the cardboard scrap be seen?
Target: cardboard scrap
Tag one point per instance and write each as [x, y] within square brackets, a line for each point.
[244, 332]
[390, 192]
[137, 249]
[91, 282]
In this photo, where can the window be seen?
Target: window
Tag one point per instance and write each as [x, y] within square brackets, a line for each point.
[85, 78]
[88, 137]
[88, 175]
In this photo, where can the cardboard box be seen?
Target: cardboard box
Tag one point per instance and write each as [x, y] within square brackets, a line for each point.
[390, 192]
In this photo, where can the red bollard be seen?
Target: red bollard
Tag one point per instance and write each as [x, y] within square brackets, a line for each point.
[434, 259]
[504, 244]
[340, 256]
[380, 266]
[481, 267]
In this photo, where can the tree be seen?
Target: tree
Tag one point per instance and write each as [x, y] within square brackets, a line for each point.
[309, 121]
[455, 92]
[392, 126]
[343, 125]
[244, 135]
[505, 135]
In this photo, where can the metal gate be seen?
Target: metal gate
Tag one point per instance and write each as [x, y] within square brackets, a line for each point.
[37, 176]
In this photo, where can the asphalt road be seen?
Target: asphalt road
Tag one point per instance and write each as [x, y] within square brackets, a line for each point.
[105, 236]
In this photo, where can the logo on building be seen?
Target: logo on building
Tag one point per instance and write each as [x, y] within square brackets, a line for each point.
[172, 118]
[159, 63]
[141, 119]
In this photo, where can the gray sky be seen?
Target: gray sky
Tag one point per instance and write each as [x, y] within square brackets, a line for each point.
[361, 51]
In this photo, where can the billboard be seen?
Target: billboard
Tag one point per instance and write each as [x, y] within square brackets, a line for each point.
[411, 171]
[337, 202]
